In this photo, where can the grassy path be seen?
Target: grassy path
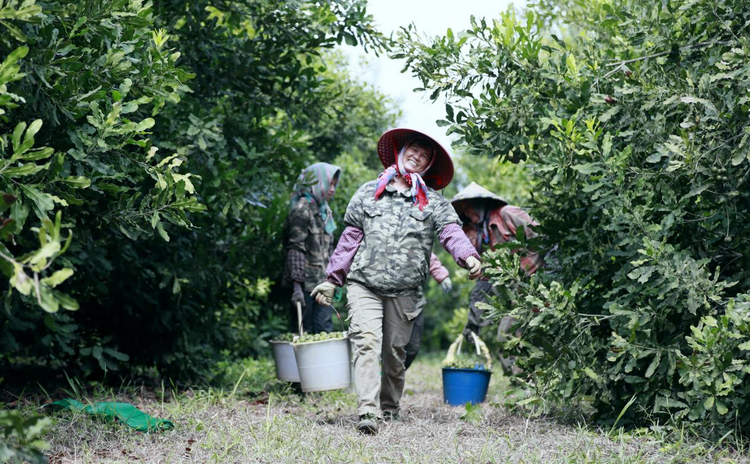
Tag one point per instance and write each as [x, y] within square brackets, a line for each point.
[281, 427]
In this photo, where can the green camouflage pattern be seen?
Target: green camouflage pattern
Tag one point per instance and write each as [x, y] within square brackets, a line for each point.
[394, 256]
[304, 231]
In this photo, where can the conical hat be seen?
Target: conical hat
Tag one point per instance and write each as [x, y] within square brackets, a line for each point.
[475, 192]
[441, 172]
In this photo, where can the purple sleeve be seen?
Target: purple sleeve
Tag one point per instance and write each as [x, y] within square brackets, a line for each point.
[437, 270]
[343, 256]
[454, 240]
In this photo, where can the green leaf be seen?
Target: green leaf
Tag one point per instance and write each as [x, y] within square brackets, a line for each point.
[147, 123]
[43, 201]
[24, 13]
[607, 145]
[47, 300]
[17, 134]
[592, 187]
[77, 182]
[38, 154]
[28, 140]
[24, 170]
[13, 58]
[66, 301]
[20, 281]
[655, 158]
[742, 152]
[697, 190]
[449, 112]
[654, 364]
[588, 168]
[117, 355]
[162, 232]
[32, 130]
[721, 408]
[590, 372]
[14, 31]
[570, 62]
[47, 251]
[350, 39]
[58, 277]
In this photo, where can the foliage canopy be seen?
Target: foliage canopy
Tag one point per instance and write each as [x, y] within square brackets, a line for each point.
[147, 155]
[632, 118]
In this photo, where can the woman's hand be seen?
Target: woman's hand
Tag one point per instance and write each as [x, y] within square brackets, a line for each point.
[298, 295]
[323, 293]
[447, 285]
[474, 266]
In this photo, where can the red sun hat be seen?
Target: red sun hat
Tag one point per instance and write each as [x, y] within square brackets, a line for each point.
[440, 173]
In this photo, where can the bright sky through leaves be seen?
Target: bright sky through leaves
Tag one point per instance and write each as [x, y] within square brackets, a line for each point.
[432, 17]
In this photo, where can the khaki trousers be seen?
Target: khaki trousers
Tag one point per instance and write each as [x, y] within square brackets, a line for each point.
[379, 325]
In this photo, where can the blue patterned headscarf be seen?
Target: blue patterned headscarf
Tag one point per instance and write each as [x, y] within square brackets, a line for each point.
[312, 183]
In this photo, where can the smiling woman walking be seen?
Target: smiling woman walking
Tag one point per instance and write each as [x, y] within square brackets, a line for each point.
[385, 254]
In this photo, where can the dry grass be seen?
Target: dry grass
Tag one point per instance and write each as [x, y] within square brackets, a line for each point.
[281, 427]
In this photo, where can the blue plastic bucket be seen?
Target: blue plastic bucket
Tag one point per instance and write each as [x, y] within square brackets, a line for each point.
[461, 386]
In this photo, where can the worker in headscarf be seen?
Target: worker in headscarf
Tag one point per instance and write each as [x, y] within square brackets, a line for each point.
[308, 242]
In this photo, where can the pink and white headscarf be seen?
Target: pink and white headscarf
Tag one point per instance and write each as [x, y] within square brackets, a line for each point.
[415, 181]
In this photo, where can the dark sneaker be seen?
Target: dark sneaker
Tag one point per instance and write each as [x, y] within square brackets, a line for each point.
[368, 424]
[389, 416]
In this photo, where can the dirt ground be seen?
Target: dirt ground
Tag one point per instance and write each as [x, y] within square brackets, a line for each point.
[283, 427]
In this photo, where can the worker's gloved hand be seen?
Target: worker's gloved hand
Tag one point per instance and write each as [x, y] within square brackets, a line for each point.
[323, 293]
[447, 285]
[298, 295]
[474, 266]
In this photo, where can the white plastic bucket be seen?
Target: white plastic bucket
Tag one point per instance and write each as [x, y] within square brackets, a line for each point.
[323, 365]
[286, 363]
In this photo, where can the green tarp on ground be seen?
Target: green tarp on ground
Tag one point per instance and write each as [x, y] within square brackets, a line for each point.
[123, 412]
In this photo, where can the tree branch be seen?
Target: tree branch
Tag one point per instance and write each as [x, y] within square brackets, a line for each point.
[656, 55]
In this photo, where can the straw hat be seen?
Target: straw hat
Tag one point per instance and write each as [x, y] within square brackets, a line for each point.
[440, 173]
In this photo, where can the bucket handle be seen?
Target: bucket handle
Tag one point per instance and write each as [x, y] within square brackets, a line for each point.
[482, 350]
[339, 316]
[299, 318]
[477, 341]
[481, 347]
[477, 344]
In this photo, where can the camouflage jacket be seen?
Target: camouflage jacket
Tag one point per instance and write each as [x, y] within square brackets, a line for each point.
[303, 232]
[393, 258]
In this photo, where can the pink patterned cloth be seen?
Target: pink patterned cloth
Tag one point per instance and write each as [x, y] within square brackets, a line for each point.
[452, 238]
[455, 242]
[437, 270]
[343, 256]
